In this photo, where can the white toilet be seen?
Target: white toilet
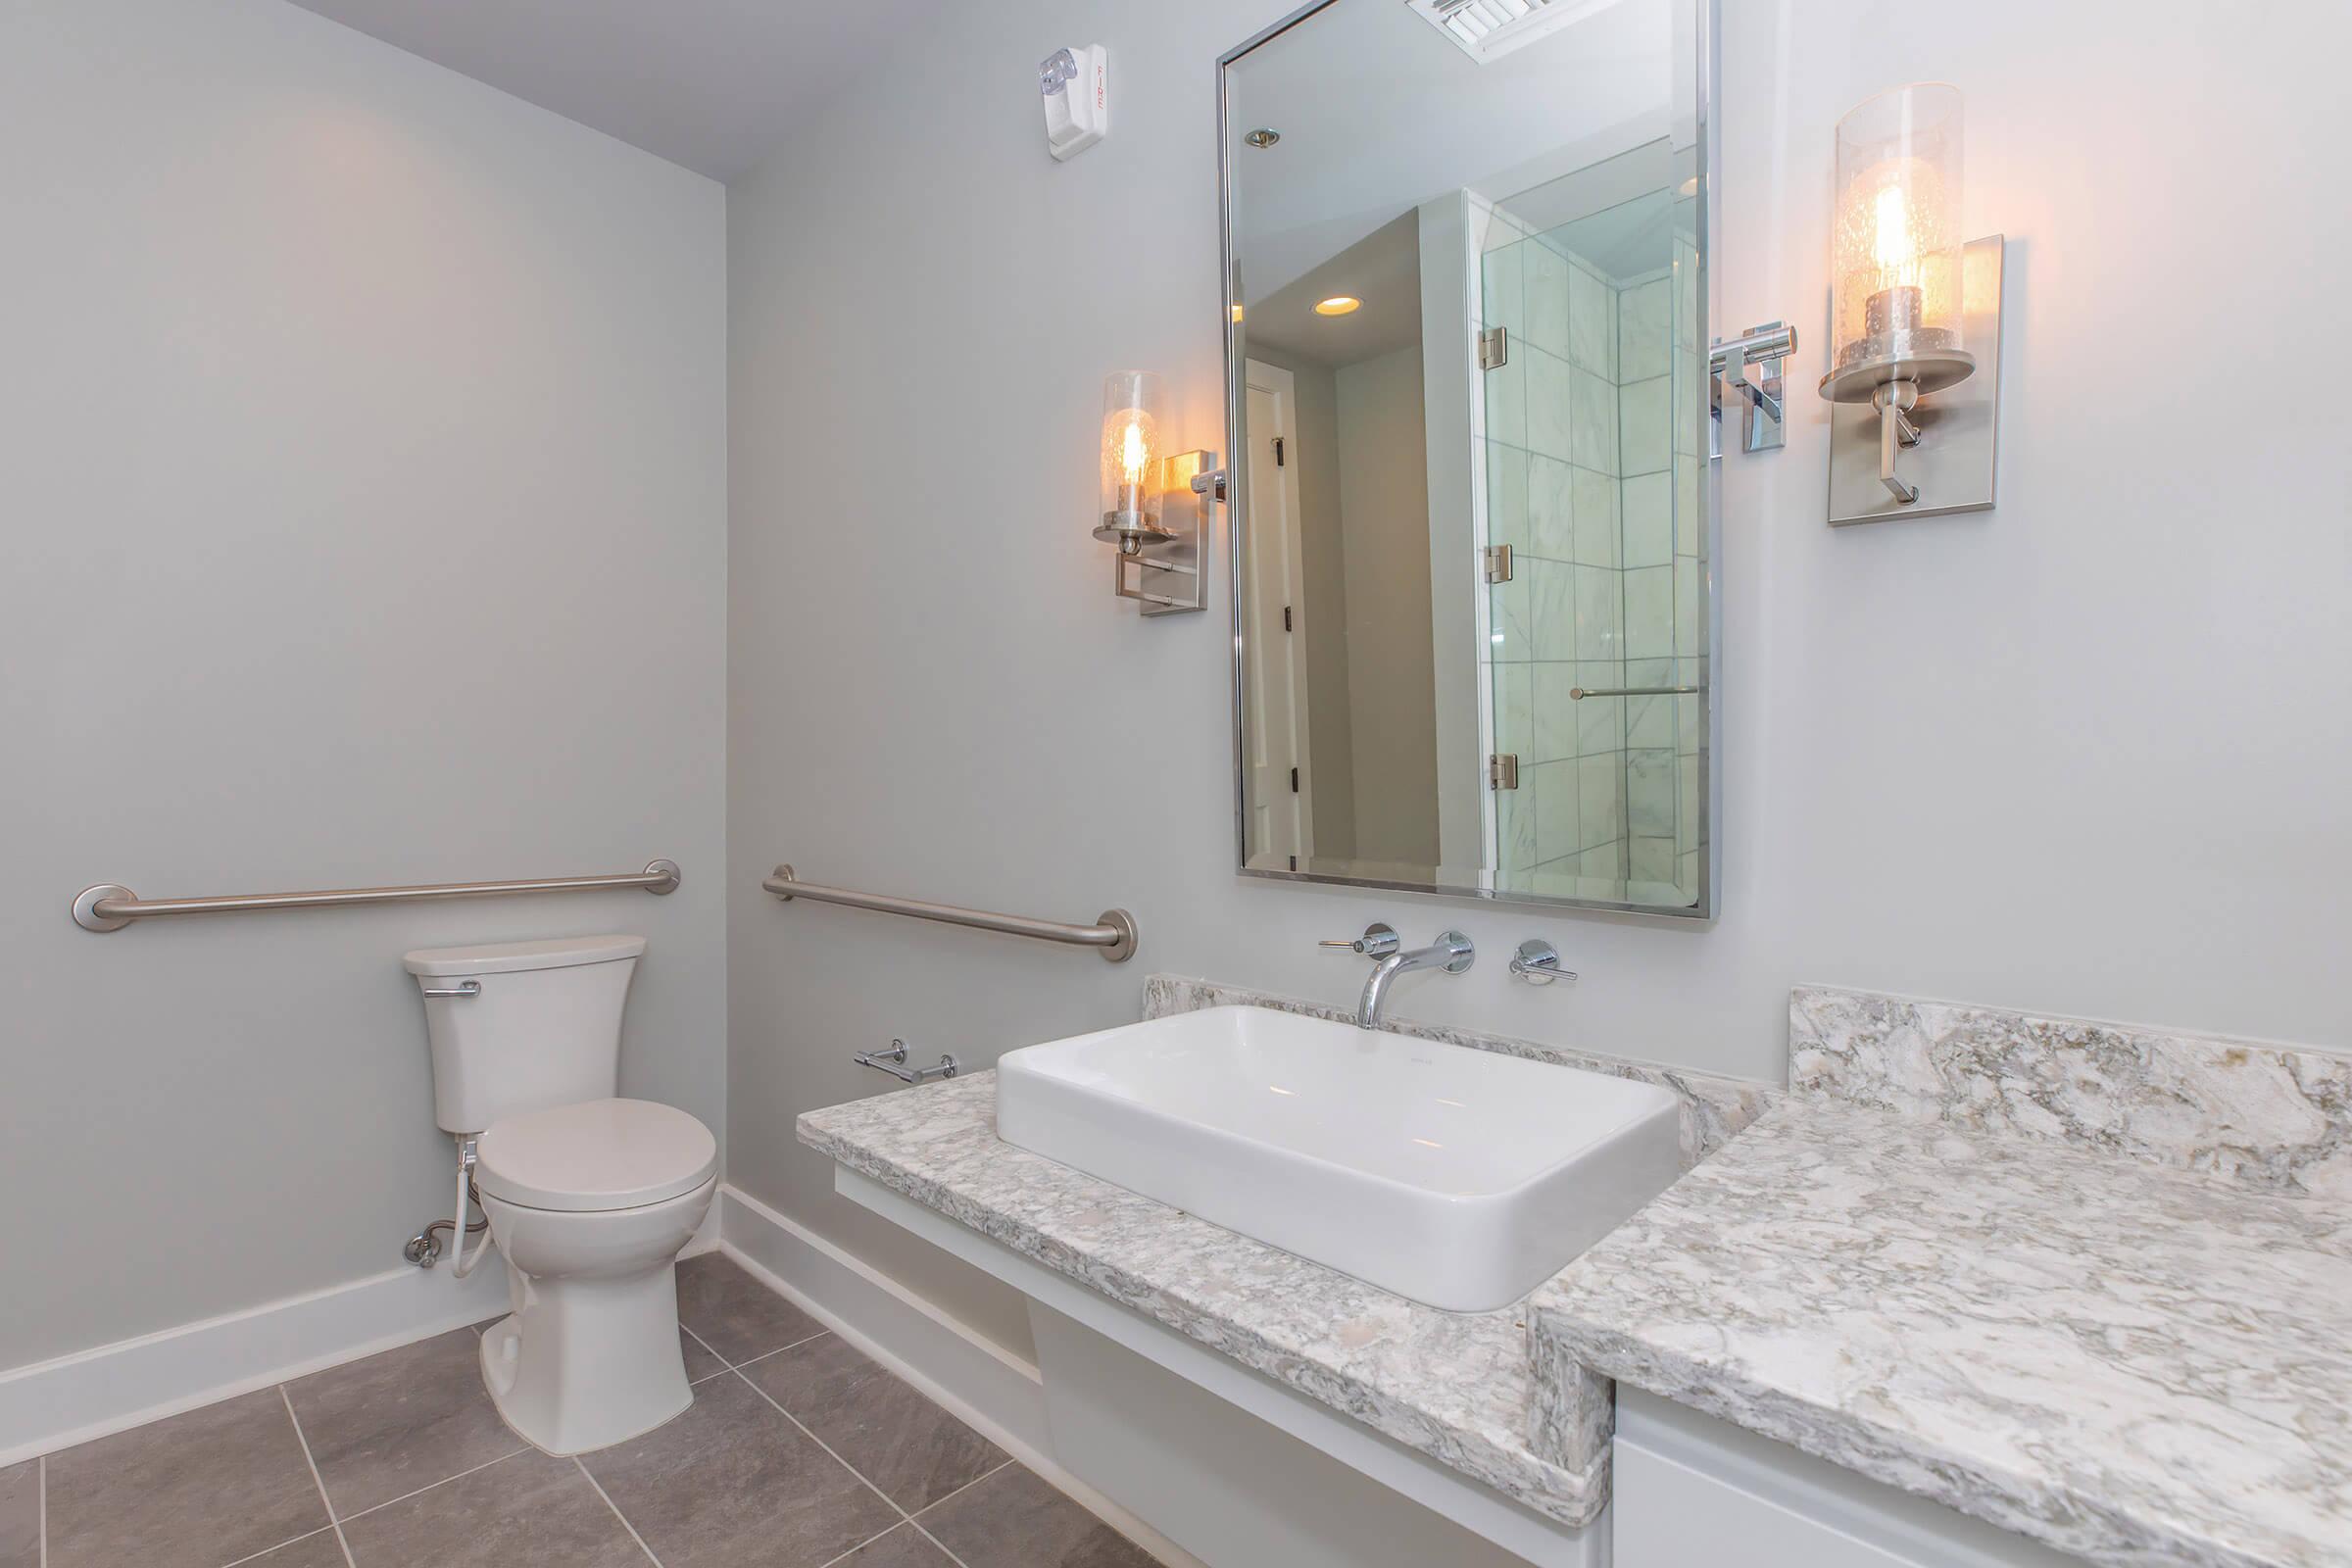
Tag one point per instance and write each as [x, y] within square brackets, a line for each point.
[589, 1197]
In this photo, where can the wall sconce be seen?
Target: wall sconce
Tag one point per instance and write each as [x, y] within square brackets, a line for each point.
[1154, 505]
[1915, 318]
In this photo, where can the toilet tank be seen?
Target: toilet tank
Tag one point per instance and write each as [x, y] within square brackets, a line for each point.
[523, 1025]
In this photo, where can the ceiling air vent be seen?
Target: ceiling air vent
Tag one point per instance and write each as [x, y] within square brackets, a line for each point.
[1485, 29]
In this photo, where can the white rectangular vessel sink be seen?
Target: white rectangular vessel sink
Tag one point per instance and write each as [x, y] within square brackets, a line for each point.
[1460, 1178]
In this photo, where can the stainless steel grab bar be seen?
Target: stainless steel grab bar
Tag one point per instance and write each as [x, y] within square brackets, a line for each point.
[1577, 694]
[1113, 935]
[109, 905]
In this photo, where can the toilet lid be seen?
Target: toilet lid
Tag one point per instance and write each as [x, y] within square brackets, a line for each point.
[596, 1156]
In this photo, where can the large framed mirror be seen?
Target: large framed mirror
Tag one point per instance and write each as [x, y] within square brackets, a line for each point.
[1467, 398]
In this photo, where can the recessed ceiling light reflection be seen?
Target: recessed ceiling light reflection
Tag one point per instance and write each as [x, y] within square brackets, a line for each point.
[1278, 1089]
[1338, 305]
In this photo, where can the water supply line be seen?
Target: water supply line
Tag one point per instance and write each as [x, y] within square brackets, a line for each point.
[425, 1247]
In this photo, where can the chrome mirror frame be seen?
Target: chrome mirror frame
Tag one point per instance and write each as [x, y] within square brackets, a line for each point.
[1702, 15]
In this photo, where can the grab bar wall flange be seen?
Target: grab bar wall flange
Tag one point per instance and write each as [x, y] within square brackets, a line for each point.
[1114, 934]
[109, 905]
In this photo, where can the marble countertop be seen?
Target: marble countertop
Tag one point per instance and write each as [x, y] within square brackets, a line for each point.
[1457, 1386]
[2143, 1366]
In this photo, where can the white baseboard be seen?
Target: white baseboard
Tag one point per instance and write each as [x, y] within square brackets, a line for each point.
[985, 1386]
[53, 1404]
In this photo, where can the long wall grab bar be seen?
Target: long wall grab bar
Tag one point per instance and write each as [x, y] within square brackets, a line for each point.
[1113, 935]
[109, 905]
[1577, 694]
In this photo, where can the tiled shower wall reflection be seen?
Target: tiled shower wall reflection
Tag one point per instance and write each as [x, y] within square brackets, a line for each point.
[1593, 479]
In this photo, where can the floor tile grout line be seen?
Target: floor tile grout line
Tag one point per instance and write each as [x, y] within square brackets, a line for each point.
[379, 1507]
[860, 1473]
[966, 1486]
[316, 1480]
[280, 1546]
[833, 1562]
[828, 1448]
[766, 1354]
[706, 1345]
[617, 1513]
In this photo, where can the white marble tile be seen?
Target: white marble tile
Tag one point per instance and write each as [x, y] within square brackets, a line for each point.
[1650, 720]
[1514, 707]
[1546, 311]
[1507, 521]
[1592, 323]
[1690, 626]
[1549, 412]
[1689, 520]
[1644, 330]
[1551, 509]
[1515, 828]
[1551, 597]
[1649, 520]
[1597, 624]
[1599, 721]
[1651, 861]
[1645, 440]
[1593, 440]
[1507, 639]
[1558, 811]
[1600, 799]
[1603, 865]
[1505, 402]
[1592, 500]
[1649, 613]
[1650, 783]
[1689, 779]
[1555, 713]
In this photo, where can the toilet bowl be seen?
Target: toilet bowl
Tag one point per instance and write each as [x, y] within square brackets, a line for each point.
[589, 1197]
[590, 1204]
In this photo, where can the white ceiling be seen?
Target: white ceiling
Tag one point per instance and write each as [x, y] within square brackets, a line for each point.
[713, 84]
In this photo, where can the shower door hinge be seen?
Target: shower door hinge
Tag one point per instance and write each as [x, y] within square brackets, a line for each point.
[1499, 563]
[1502, 771]
[1279, 444]
[1494, 348]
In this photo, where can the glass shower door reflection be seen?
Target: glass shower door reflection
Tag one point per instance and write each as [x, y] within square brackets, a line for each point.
[1587, 472]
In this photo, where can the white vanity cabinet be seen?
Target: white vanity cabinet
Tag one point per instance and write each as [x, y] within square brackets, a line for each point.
[1691, 1491]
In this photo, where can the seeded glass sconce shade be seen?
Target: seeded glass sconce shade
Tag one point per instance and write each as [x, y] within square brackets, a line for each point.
[1133, 407]
[1900, 278]
[1896, 244]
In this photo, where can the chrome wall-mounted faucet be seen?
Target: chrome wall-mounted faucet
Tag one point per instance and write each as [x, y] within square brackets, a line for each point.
[1451, 952]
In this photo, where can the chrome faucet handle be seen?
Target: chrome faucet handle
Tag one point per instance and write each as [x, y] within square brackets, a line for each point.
[1464, 953]
[1538, 963]
[1378, 941]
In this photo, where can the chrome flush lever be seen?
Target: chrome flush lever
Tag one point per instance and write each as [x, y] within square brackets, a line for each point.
[463, 988]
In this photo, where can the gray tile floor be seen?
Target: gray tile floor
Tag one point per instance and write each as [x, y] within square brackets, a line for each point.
[798, 1453]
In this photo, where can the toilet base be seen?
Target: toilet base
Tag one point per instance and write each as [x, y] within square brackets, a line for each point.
[588, 1363]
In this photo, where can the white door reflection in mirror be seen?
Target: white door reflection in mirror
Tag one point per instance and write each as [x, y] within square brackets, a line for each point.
[1276, 611]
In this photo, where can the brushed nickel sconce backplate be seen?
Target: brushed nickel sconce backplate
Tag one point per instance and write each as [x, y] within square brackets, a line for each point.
[1168, 575]
[1943, 438]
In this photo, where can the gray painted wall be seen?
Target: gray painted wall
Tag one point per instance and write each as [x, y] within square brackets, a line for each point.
[2081, 753]
[366, 466]
[1391, 695]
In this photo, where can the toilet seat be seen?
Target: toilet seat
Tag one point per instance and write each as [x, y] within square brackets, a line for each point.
[596, 1156]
